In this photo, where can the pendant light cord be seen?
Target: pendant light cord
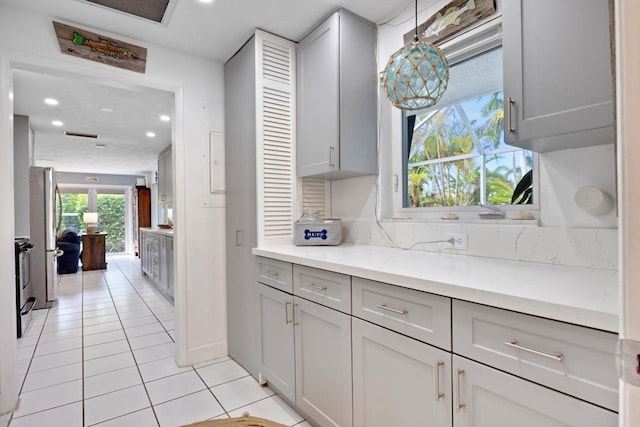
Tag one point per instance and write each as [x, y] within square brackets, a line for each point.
[415, 35]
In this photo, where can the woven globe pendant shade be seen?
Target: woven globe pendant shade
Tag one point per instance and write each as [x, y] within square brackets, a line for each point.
[416, 76]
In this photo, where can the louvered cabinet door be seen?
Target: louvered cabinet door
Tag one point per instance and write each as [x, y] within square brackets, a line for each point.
[275, 137]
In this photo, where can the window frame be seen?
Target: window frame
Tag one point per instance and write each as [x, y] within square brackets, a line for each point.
[476, 41]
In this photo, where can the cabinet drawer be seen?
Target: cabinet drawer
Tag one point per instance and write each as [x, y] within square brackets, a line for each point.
[324, 287]
[274, 273]
[575, 360]
[420, 315]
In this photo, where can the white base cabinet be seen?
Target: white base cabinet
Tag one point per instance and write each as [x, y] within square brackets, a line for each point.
[305, 347]
[398, 381]
[323, 363]
[156, 260]
[486, 397]
[385, 357]
[277, 364]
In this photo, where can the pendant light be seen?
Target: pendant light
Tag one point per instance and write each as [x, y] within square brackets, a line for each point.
[416, 75]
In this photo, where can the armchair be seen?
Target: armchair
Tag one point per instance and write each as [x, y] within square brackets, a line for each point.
[69, 242]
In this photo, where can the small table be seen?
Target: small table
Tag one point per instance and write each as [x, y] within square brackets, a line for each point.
[93, 251]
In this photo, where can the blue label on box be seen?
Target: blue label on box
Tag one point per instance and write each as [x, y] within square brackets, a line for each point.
[308, 234]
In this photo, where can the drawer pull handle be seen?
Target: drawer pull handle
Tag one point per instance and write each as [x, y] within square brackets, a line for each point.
[439, 394]
[286, 312]
[558, 357]
[461, 404]
[272, 273]
[403, 312]
[512, 104]
[314, 286]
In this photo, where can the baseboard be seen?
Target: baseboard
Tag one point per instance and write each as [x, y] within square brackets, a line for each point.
[205, 353]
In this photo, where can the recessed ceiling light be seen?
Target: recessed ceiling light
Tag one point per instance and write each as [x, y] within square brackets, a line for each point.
[205, 1]
[51, 101]
[165, 117]
[100, 146]
[151, 134]
[106, 109]
[57, 123]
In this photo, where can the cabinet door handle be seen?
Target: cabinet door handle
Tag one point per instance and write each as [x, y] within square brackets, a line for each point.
[286, 312]
[239, 238]
[439, 394]
[294, 315]
[558, 357]
[403, 312]
[461, 404]
[318, 287]
[512, 105]
[332, 154]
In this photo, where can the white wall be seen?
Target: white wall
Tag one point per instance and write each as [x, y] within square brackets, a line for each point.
[567, 234]
[28, 40]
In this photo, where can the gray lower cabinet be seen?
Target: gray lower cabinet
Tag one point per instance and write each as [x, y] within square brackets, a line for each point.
[277, 364]
[305, 355]
[486, 397]
[401, 357]
[398, 381]
[156, 260]
[323, 363]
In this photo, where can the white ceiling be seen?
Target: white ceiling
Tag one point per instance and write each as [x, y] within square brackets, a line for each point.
[215, 30]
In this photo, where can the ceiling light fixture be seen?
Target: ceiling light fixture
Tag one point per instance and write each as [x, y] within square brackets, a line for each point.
[205, 1]
[165, 117]
[106, 109]
[151, 134]
[51, 101]
[416, 75]
[100, 146]
[57, 123]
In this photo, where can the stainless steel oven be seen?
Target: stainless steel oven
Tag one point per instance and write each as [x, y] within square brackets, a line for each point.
[25, 300]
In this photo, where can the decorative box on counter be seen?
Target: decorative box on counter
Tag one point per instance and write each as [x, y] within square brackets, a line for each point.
[310, 230]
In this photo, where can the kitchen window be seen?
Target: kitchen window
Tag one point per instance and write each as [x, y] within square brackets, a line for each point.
[454, 153]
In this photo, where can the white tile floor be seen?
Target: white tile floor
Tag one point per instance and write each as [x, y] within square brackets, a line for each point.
[104, 355]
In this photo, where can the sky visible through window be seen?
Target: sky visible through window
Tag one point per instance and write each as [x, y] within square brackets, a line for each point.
[457, 155]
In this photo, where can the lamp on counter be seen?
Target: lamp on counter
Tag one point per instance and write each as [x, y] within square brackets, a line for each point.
[416, 75]
[90, 219]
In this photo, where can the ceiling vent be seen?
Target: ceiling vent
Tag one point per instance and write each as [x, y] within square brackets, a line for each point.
[81, 135]
[152, 10]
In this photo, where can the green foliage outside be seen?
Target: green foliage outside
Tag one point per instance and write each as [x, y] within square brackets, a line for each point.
[111, 212]
[111, 221]
[451, 145]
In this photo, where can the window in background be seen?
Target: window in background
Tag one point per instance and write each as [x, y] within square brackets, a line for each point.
[73, 206]
[454, 152]
[111, 218]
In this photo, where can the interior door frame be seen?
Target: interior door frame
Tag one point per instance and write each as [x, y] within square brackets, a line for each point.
[627, 40]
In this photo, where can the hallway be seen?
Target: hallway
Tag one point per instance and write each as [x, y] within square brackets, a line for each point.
[104, 355]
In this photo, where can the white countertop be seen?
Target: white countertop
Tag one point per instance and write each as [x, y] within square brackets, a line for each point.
[164, 231]
[582, 296]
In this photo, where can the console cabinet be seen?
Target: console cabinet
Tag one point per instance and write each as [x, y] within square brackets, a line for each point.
[93, 251]
[380, 355]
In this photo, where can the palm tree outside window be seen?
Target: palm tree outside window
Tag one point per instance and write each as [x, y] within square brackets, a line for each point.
[455, 152]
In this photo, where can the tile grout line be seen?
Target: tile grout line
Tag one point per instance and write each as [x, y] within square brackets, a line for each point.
[127, 338]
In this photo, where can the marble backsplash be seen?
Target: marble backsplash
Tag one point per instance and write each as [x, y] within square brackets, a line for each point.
[578, 247]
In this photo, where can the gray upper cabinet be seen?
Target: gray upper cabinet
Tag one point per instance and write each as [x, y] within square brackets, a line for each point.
[557, 74]
[337, 96]
[165, 175]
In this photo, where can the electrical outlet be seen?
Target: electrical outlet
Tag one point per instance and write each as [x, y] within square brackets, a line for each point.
[459, 240]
